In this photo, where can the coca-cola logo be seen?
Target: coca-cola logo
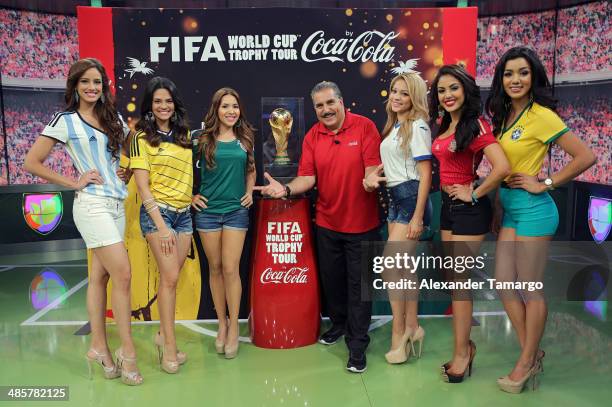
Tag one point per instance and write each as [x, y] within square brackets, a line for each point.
[294, 275]
[362, 48]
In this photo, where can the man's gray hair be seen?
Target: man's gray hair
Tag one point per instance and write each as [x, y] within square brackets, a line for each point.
[326, 85]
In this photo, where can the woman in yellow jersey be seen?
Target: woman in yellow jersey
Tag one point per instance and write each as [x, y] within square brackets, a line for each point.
[160, 156]
[526, 125]
[227, 168]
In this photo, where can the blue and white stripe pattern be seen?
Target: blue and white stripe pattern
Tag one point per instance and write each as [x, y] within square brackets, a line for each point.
[87, 146]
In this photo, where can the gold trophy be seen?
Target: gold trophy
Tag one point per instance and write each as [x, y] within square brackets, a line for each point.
[281, 122]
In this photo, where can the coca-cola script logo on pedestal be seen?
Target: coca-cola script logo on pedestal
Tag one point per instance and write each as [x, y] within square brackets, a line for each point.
[295, 275]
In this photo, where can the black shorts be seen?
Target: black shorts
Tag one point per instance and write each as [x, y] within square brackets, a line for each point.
[463, 218]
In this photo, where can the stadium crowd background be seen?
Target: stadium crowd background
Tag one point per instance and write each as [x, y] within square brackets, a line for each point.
[582, 45]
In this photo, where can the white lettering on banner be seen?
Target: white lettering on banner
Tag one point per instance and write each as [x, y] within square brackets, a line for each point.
[284, 241]
[356, 49]
[191, 46]
[295, 275]
[370, 45]
[248, 41]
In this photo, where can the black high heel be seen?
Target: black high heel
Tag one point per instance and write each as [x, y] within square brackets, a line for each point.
[452, 378]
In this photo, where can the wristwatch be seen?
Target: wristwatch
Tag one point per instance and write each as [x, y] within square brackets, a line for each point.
[287, 191]
[549, 183]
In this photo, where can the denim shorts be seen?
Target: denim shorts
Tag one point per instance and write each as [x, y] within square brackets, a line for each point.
[177, 222]
[402, 203]
[214, 222]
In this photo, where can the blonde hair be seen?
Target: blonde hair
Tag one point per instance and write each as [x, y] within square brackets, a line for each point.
[417, 90]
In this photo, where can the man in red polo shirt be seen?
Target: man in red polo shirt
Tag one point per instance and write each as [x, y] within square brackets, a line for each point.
[337, 153]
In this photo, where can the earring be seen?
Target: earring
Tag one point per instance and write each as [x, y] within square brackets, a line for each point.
[149, 117]
[102, 98]
[238, 123]
[440, 110]
[174, 117]
[76, 96]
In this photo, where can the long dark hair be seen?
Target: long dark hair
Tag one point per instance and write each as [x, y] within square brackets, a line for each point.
[244, 131]
[104, 109]
[498, 103]
[467, 128]
[178, 122]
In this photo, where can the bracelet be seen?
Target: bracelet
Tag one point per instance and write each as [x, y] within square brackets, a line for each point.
[147, 201]
[474, 198]
[287, 191]
[167, 236]
[150, 207]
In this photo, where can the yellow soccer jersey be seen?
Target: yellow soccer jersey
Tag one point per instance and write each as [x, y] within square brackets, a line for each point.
[527, 140]
[170, 169]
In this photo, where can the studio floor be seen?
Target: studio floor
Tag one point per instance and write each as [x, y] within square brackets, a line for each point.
[42, 347]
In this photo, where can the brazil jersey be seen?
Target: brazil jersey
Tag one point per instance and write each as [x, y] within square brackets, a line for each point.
[527, 140]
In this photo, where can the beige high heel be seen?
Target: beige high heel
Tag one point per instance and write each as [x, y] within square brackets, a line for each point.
[515, 387]
[133, 378]
[220, 345]
[93, 356]
[231, 350]
[417, 336]
[181, 357]
[401, 353]
[168, 366]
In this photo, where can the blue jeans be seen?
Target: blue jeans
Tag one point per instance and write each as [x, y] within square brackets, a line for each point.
[402, 203]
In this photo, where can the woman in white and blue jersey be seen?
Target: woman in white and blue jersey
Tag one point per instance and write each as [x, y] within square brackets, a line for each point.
[94, 134]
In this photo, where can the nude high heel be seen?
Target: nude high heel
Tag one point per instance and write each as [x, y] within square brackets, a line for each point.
[220, 345]
[133, 378]
[181, 357]
[93, 356]
[515, 387]
[417, 336]
[402, 352]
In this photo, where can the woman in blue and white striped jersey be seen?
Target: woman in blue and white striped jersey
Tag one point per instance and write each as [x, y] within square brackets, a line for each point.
[94, 135]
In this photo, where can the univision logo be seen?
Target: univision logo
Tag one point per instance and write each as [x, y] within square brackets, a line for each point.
[43, 212]
[600, 218]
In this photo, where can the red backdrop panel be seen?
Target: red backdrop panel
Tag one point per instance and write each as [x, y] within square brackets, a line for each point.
[95, 28]
[459, 36]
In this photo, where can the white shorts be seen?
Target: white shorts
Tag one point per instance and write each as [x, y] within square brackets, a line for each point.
[99, 219]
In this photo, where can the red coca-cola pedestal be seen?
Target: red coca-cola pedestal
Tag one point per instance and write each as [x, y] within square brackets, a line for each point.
[284, 292]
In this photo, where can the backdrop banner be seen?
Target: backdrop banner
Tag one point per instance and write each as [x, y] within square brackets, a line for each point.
[265, 54]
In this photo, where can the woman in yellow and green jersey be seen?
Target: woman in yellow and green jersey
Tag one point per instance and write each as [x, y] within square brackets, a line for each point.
[161, 158]
[522, 110]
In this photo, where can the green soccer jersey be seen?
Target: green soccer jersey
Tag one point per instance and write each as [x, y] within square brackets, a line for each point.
[224, 184]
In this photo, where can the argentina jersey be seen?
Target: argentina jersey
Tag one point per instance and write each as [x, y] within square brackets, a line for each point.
[87, 146]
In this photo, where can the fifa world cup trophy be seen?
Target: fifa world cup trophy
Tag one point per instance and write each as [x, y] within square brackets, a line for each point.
[281, 122]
